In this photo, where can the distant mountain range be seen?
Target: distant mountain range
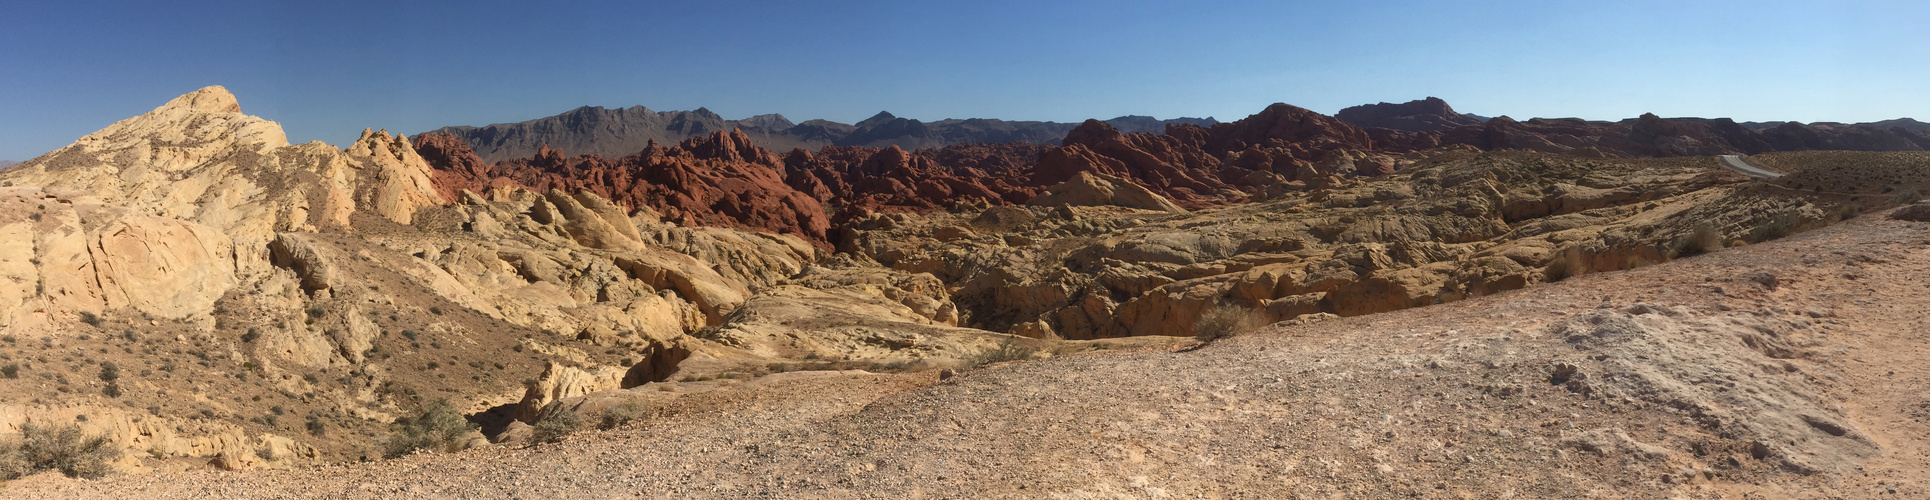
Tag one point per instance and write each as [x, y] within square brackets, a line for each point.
[1412, 125]
[625, 131]
[7, 163]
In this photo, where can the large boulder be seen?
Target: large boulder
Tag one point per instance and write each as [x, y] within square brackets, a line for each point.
[1919, 212]
[160, 266]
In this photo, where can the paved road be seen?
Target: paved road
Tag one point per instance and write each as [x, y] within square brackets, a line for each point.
[1736, 163]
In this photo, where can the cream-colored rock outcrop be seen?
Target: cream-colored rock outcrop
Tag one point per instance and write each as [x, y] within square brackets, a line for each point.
[165, 267]
[397, 180]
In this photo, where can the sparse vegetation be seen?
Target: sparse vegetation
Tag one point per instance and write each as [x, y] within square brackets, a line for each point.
[62, 448]
[11, 370]
[1704, 238]
[315, 426]
[1779, 225]
[90, 318]
[1566, 263]
[438, 427]
[622, 414]
[1224, 321]
[552, 428]
[1008, 350]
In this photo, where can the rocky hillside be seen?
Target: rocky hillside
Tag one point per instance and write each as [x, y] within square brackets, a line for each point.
[1743, 374]
[7, 163]
[621, 132]
[201, 292]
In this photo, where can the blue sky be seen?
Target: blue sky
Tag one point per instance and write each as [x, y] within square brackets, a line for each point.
[326, 70]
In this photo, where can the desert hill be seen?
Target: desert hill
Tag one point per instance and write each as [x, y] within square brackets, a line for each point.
[625, 131]
[7, 163]
[204, 294]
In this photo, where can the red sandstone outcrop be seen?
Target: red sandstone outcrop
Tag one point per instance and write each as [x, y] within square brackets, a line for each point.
[721, 180]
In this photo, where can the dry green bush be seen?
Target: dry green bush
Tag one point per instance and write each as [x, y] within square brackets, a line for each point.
[62, 448]
[1704, 238]
[552, 428]
[1224, 321]
[437, 428]
[1009, 350]
[622, 414]
[1566, 263]
[1778, 226]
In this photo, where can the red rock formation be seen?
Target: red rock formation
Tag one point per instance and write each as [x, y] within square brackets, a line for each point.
[1174, 164]
[719, 180]
[860, 179]
[1306, 134]
[725, 180]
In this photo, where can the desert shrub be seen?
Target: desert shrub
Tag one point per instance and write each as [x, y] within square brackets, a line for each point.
[1907, 197]
[619, 415]
[437, 428]
[1704, 238]
[109, 372]
[1224, 321]
[1008, 350]
[62, 448]
[112, 390]
[1778, 226]
[315, 426]
[90, 318]
[12, 370]
[552, 428]
[250, 335]
[1566, 263]
[12, 465]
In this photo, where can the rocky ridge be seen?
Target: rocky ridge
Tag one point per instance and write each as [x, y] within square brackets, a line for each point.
[1430, 114]
[625, 131]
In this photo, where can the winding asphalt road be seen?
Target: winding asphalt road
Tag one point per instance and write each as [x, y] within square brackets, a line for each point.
[1736, 163]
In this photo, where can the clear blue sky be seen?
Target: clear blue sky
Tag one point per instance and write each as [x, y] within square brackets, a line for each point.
[326, 70]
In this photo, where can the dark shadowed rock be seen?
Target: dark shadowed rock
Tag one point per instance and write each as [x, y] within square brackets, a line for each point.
[1431, 114]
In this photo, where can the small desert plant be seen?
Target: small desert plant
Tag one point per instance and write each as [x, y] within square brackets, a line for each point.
[1008, 350]
[1224, 321]
[552, 428]
[12, 370]
[62, 448]
[619, 415]
[437, 428]
[1778, 226]
[1566, 263]
[109, 372]
[314, 426]
[1704, 238]
[90, 318]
